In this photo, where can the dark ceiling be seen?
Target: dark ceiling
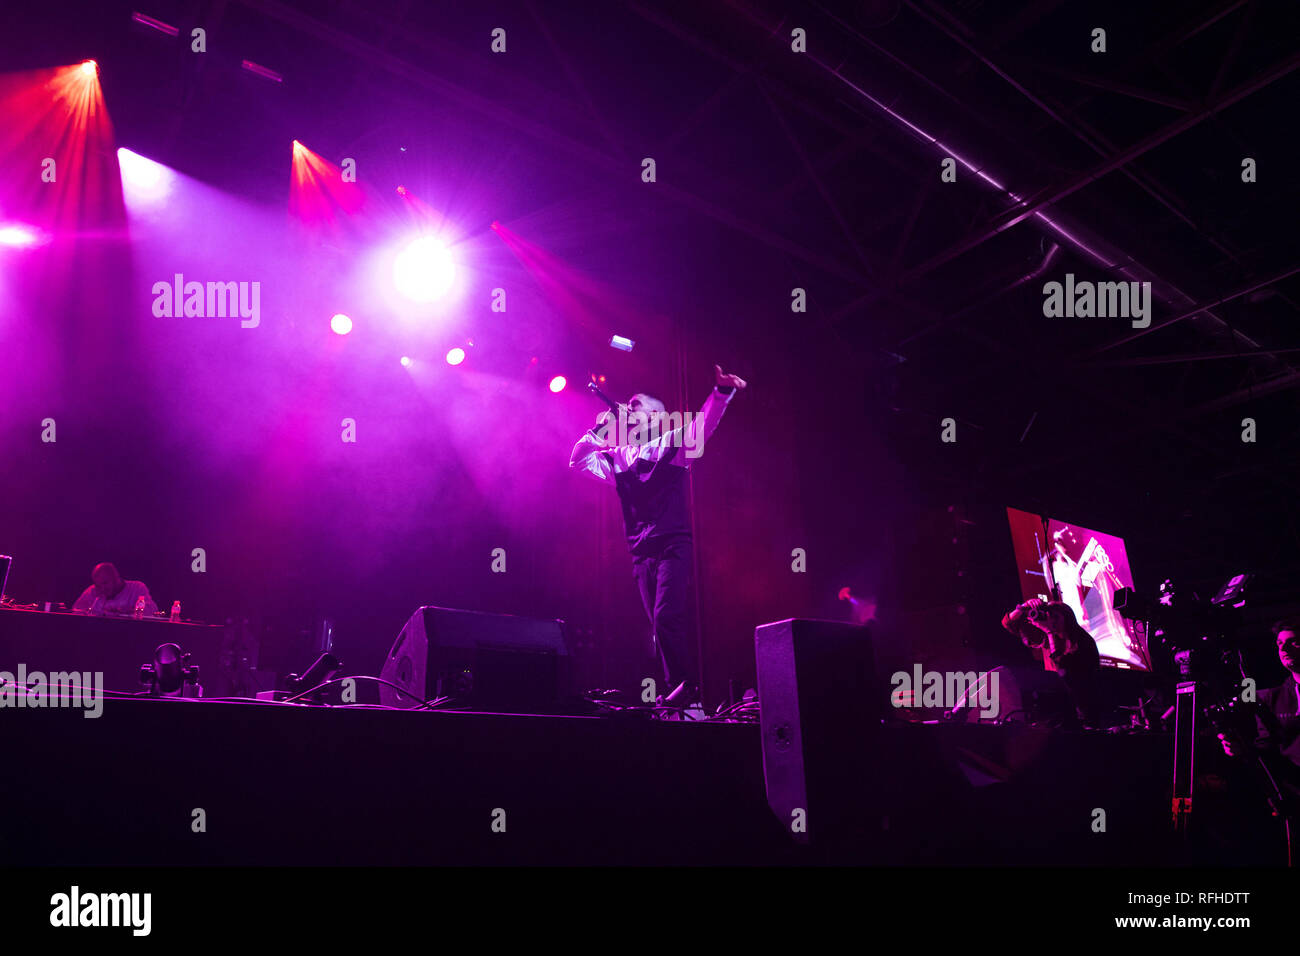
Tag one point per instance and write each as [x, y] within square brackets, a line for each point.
[932, 289]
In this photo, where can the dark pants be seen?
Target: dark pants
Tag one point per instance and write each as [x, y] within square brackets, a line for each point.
[664, 580]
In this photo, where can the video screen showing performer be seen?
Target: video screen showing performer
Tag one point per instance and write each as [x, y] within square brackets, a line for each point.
[1082, 569]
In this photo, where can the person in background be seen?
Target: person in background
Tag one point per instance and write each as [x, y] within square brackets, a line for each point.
[1281, 733]
[1276, 744]
[110, 594]
[1070, 650]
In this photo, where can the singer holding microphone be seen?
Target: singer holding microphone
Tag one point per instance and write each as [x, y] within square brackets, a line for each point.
[644, 452]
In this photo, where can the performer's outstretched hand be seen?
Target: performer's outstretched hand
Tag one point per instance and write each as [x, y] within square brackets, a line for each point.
[728, 381]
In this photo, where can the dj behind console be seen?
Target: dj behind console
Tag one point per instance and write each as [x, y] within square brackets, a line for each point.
[46, 642]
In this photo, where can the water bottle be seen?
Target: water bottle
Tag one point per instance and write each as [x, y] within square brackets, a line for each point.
[139, 608]
[176, 612]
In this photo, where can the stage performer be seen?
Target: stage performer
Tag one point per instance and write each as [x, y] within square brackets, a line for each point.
[644, 452]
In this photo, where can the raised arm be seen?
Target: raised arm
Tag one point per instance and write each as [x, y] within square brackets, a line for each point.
[692, 436]
[1017, 622]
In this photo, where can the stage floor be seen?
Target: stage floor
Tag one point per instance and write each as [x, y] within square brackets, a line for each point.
[292, 785]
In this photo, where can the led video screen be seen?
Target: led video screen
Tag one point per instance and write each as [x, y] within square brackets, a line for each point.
[1087, 568]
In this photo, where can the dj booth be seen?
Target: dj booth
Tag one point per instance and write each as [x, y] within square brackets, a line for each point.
[52, 642]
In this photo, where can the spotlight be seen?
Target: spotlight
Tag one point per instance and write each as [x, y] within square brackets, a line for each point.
[19, 237]
[558, 383]
[621, 342]
[455, 356]
[170, 672]
[323, 670]
[406, 361]
[424, 271]
[143, 178]
[341, 324]
[89, 68]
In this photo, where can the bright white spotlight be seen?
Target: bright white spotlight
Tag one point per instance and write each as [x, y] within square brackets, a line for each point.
[424, 270]
[19, 236]
[89, 68]
[558, 383]
[143, 178]
[340, 324]
[406, 361]
[455, 356]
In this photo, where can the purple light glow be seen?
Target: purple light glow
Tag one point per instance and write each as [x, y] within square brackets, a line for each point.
[158, 25]
[424, 271]
[258, 70]
[143, 180]
[19, 236]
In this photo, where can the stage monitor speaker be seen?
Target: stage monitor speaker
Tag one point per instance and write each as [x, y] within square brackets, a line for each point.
[820, 708]
[493, 662]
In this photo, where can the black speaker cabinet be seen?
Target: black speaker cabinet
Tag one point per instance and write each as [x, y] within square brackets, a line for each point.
[495, 662]
[820, 706]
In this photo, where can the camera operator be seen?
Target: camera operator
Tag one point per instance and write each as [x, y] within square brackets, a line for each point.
[1070, 650]
[1282, 703]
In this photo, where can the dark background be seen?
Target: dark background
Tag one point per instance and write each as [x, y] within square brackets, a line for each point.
[776, 171]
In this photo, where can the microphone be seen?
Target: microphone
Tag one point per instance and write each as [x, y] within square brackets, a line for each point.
[595, 390]
[613, 405]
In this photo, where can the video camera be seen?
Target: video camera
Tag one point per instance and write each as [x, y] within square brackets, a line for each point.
[1190, 625]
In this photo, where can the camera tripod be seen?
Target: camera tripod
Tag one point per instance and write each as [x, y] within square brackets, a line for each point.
[1186, 711]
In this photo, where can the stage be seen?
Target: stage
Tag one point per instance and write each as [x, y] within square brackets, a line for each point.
[753, 435]
[287, 785]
